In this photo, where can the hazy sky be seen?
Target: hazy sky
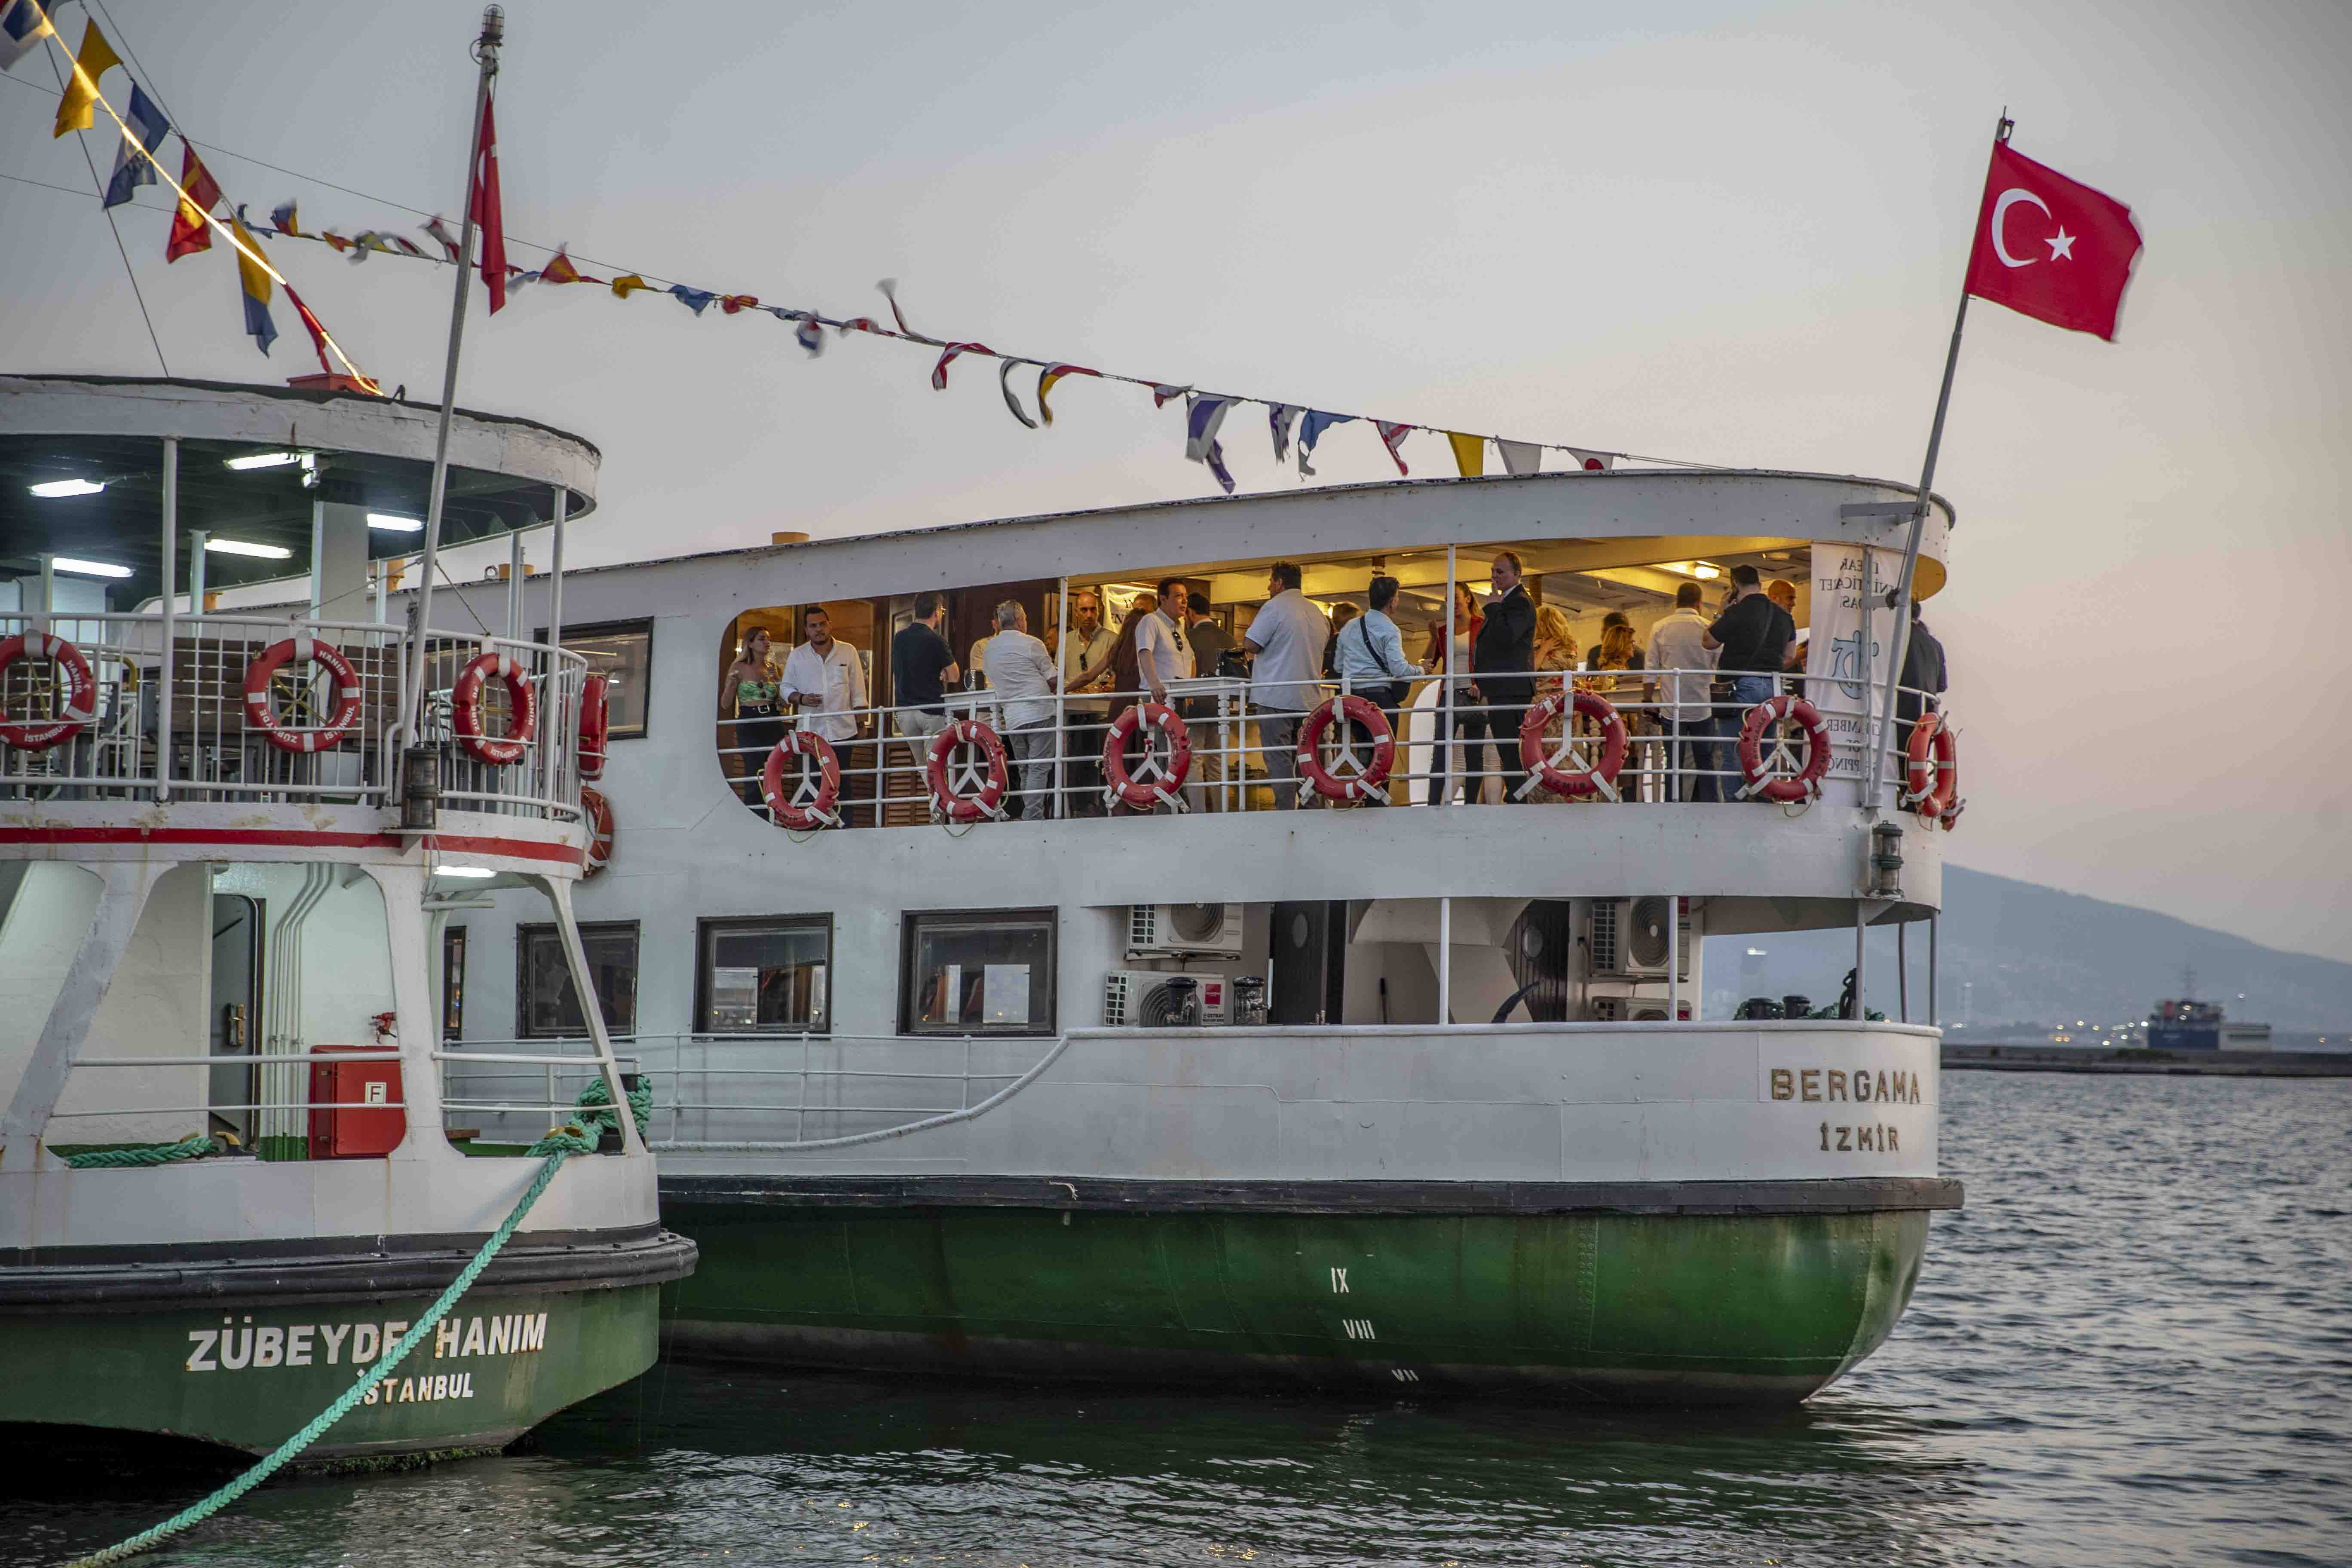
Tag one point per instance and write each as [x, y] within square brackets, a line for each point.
[1731, 232]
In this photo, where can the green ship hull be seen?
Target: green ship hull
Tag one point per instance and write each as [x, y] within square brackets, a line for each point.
[1669, 1306]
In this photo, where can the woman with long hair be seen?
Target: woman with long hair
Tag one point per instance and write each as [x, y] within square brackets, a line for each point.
[1619, 651]
[751, 693]
[1467, 621]
[1555, 650]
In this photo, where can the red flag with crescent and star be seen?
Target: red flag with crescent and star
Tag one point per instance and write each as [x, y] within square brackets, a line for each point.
[2050, 249]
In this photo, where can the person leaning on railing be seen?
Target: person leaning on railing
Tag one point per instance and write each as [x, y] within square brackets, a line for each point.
[1751, 639]
[1555, 652]
[1286, 640]
[825, 681]
[759, 718]
[1368, 654]
[1021, 672]
[1162, 654]
[1500, 684]
[922, 667]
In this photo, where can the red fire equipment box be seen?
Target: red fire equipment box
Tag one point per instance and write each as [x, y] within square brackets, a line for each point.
[355, 1100]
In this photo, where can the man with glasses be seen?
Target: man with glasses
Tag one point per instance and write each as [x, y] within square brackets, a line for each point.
[1088, 645]
[1162, 654]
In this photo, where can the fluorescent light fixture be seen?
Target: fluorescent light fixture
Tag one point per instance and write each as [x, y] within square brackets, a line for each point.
[239, 547]
[1705, 573]
[463, 871]
[89, 568]
[263, 460]
[393, 522]
[54, 488]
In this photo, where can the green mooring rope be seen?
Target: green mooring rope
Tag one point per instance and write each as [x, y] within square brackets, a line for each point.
[195, 1146]
[595, 1100]
[558, 1144]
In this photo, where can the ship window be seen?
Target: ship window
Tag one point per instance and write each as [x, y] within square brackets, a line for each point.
[453, 983]
[545, 1002]
[622, 653]
[968, 972]
[765, 976]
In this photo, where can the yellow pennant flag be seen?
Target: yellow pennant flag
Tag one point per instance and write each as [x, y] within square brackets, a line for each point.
[622, 286]
[1469, 453]
[75, 112]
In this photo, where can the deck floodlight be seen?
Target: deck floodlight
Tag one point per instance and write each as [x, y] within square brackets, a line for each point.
[244, 547]
[89, 568]
[393, 522]
[262, 461]
[55, 490]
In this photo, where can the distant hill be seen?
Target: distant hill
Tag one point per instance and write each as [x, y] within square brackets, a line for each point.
[2019, 952]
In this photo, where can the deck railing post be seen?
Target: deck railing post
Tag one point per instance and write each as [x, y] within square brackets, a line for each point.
[1935, 1012]
[1446, 957]
[1061, 804]
[170, 577]
[1902, 972]
[1443, 755]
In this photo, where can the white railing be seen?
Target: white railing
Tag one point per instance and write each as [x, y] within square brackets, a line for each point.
[173, 724]
[1446, 752]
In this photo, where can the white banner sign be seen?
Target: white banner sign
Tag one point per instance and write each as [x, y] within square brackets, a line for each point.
[1848, 642]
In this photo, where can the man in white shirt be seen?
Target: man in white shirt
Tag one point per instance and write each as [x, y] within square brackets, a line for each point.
[1021, 672]
[1679, 642]
[1164, 653]
[824, 682]
[1286, 640]
[1088, 645]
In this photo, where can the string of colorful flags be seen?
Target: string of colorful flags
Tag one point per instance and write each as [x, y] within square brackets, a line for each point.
[1292, 427]
[24, 26]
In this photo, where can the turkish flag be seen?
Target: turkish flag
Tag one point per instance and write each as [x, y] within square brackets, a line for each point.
[484, 208]
[2055, 250]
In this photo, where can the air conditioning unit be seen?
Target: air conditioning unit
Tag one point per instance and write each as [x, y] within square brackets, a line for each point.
[1606, 1009]
[1628, 938]
[1630, 1010]
[1177, 931]
[1155, 999]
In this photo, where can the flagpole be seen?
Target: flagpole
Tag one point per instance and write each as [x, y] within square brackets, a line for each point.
[1883, 730]
[486, 52]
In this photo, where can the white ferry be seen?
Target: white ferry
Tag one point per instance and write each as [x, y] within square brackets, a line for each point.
[230, 1178]
[1214, 1086]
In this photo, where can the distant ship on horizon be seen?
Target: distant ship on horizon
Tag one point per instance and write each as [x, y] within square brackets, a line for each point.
[2187, 1025]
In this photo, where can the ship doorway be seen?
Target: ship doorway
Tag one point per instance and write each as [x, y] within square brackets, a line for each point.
[235, 1009]
[1310, 958]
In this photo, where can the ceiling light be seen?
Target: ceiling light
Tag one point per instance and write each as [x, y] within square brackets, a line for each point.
[263, 460]
[239, 547]
[463, 871]
[89, 568]
[394, 523]
[1705, 573]
[56, 488]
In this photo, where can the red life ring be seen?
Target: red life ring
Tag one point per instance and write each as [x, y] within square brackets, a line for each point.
[1598, 776]
[523, 708]
[945, 801]
[1365, 784]
[1146, 793]
[817, 813]
[596, 727]
[80, 690]
[600, 831]
[1931, 778]
[260, 714]
[1807, 780]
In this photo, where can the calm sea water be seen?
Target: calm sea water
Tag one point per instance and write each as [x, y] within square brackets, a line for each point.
[2134, 1346]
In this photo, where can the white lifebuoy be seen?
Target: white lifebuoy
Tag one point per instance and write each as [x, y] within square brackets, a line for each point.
[262, 715]
[797, 815]
[79, 694]
[1805, 781]
[1365, 782]
[523, 708]
[1152, 785]
[1598, 776]
[987, 801]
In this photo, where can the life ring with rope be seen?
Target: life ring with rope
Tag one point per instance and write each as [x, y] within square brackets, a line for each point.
[79, 691]
[1803, 783]
[261, 714]
[599, 812]
[1931, 768]
[799, 815]
[522, 708]
[1597, 775]
[595, 726]
[951, 805]
[1365, 782]
[1153, 783]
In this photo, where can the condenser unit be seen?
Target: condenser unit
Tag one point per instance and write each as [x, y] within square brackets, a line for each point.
[1628, 938]
[1177, 931]
[1152, 999]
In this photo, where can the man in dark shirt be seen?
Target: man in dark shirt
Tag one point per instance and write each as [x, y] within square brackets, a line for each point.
[1502, 666]
[1751, 639]
[1209, 642]
[1922, 680]
[921, 667]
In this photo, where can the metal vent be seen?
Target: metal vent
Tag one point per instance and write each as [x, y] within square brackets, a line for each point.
[1607, 940]
[1115, 998]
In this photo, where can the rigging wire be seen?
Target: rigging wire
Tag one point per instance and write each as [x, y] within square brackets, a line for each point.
[112, 227]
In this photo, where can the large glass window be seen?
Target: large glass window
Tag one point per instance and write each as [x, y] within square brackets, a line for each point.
[622, 653]
[978, 972]
[545, 1001]
[765, 976]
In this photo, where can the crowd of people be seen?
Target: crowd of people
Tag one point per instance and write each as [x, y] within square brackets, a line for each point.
[1683, 694]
